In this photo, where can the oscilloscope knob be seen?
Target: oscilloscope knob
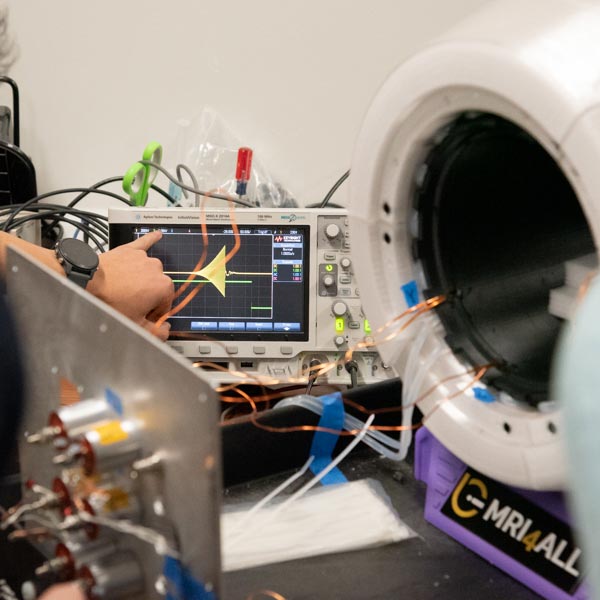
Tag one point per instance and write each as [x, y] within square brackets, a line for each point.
[345, 263]
[332, 231]
[339, 308]
[339, 340]
[328, 280]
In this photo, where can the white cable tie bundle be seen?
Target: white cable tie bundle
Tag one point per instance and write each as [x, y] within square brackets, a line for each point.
[334, 518]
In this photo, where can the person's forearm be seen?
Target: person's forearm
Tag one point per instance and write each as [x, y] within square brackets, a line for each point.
[42, 254]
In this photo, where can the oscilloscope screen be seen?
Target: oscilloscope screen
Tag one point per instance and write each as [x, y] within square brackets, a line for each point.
[261, 293]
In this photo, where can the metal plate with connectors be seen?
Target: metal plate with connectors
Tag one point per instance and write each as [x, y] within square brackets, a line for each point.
[156, 457]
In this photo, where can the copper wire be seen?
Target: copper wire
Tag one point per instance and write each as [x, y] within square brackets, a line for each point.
[322, 369]
[33, 532]
[399, 408]
[191, 295]
[268, 593]
[254, 415]
[184, 286]
[480, 373]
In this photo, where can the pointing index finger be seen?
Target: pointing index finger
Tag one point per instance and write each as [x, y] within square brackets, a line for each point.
[146, 241]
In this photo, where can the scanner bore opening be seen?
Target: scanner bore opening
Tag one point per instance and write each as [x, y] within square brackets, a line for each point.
[498, 219]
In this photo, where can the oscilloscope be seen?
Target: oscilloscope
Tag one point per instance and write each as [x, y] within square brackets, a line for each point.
[287, 296]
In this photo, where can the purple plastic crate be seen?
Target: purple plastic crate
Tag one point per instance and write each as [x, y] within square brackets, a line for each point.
[443, 473]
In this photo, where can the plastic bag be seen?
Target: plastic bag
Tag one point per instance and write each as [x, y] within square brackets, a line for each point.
[206, 145]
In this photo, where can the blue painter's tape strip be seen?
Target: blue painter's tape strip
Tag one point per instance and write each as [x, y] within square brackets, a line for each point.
[114, 401]
[484, 395]
[411, 293]
[324, 443]
[181, 585]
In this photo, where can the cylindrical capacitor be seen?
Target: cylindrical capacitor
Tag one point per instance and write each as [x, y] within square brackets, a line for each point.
[69, 421]
[113, 577]
[74, 419]
[110, 445]
[104, 447]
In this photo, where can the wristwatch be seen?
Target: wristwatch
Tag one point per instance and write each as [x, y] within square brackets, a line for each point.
[78, 260]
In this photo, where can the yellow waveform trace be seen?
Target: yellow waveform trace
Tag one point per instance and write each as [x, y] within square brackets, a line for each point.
[214, 272]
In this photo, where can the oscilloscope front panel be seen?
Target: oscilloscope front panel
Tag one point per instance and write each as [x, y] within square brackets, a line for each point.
[286, 294]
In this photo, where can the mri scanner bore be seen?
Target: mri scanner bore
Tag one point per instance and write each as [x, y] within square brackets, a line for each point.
[498, 220]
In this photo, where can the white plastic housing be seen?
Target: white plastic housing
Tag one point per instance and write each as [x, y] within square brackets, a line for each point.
[537, 64]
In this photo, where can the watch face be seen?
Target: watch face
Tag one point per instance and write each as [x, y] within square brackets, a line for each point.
[78, 254]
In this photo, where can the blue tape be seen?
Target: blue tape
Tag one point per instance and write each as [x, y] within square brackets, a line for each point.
[411, 293]
[114, 401]
[181, 585]
[484, 395]
[324, 443]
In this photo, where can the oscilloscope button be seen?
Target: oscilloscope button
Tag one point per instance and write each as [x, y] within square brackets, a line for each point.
[329, 256]
[231, 349]
[286, 350]
[259, 349]
[204, 349]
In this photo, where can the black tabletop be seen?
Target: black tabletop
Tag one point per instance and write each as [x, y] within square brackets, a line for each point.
[429, 566]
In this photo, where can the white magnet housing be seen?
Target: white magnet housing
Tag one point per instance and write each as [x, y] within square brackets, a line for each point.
[535, 65]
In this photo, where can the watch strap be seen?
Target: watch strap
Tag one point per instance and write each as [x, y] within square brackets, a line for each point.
[81, 279]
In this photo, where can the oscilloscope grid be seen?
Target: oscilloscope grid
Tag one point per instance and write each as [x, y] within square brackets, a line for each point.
[246, 296]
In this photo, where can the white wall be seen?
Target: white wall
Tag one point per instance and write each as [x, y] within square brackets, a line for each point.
[292, 78]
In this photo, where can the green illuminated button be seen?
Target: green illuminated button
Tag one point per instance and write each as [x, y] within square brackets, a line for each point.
[339, 324]
[367, 326]
[329, 267]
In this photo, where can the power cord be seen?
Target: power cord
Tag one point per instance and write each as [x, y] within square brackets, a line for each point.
[352, 367]
[313, 373]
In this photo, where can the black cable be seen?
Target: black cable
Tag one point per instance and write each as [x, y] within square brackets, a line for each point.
[333, 190]
[27, 204]
[104, 182]
[84, 224]
[183, 186]
[352, 367]
[99, 221]
[88, 220]
[97, 185]
[314, 373]
[318, 205]
[92, 236]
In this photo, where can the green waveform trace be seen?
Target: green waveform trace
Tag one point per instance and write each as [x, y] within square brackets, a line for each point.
[228, 281]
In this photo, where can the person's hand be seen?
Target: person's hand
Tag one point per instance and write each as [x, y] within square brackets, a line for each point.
[134, 284]
[64, 591]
